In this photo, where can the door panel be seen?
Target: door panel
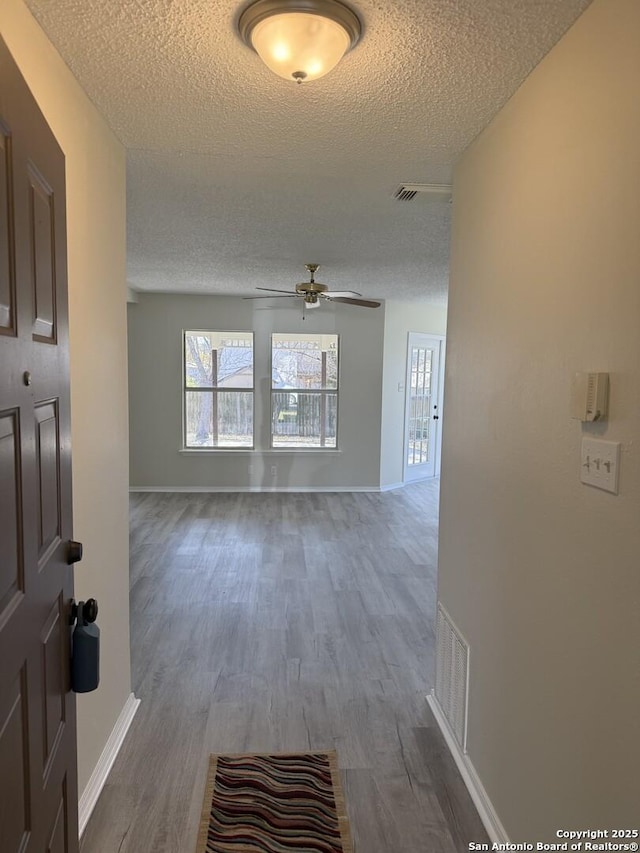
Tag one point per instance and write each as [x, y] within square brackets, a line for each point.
[58, 838]
[53, 639]
[43, 262]
[48, 468]
[11, 564]
[7, 260]
[38, 784]
[14, 759]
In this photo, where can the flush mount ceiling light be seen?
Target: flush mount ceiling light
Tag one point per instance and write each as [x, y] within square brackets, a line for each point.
[299, 40]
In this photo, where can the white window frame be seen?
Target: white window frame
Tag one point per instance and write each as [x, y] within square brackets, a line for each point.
[324, 392]
[225, 448]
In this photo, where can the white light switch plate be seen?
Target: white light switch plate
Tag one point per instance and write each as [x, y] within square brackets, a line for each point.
[600, 464]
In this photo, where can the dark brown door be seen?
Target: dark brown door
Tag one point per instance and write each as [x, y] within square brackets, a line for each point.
[38, 786]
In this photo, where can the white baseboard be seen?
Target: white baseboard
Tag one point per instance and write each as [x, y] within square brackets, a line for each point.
[234, 489]
[102, 769]
[488, 815]
[392, 486]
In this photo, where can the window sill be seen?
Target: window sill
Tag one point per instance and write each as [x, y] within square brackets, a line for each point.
[249, 451]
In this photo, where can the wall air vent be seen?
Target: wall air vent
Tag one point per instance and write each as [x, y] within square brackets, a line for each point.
[452, 675]
[428, 192]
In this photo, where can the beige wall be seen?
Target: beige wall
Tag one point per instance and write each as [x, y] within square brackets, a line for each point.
[155, 376]
[95, 163]
[541, 573]
[400, 319]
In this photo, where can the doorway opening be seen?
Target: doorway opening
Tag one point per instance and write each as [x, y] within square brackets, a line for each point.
[423, 407]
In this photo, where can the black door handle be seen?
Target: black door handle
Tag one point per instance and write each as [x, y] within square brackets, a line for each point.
[74, 552]
[85, 612]
[436, 417]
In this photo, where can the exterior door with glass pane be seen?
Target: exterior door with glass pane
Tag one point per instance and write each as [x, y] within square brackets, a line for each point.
[422, 402]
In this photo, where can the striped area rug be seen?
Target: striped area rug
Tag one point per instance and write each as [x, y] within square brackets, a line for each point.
[274, 804]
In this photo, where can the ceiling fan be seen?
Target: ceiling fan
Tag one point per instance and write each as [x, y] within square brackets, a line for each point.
[312, 292]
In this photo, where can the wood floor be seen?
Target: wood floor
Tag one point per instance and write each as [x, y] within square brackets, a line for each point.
[283, 622]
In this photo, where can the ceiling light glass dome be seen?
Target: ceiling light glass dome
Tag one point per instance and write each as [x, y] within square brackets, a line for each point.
[299, 40]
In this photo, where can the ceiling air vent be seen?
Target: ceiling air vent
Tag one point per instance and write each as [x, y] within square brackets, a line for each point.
[429, 192]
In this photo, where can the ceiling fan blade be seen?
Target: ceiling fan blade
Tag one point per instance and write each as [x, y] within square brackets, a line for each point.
[364, 303]
[288, 296]
[333, 293]
[273, 290]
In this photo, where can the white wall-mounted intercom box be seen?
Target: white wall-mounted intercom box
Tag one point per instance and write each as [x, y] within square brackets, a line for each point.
[590, 396]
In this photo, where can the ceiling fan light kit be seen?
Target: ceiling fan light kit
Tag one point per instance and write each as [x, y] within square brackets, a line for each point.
[300, 40]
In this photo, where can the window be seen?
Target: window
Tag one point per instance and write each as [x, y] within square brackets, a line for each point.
[304, 390]
[218, 389]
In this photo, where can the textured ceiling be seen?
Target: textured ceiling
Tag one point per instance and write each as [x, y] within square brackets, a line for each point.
[236, 177]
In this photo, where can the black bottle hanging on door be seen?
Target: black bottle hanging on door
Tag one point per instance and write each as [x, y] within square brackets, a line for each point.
[85, 649]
